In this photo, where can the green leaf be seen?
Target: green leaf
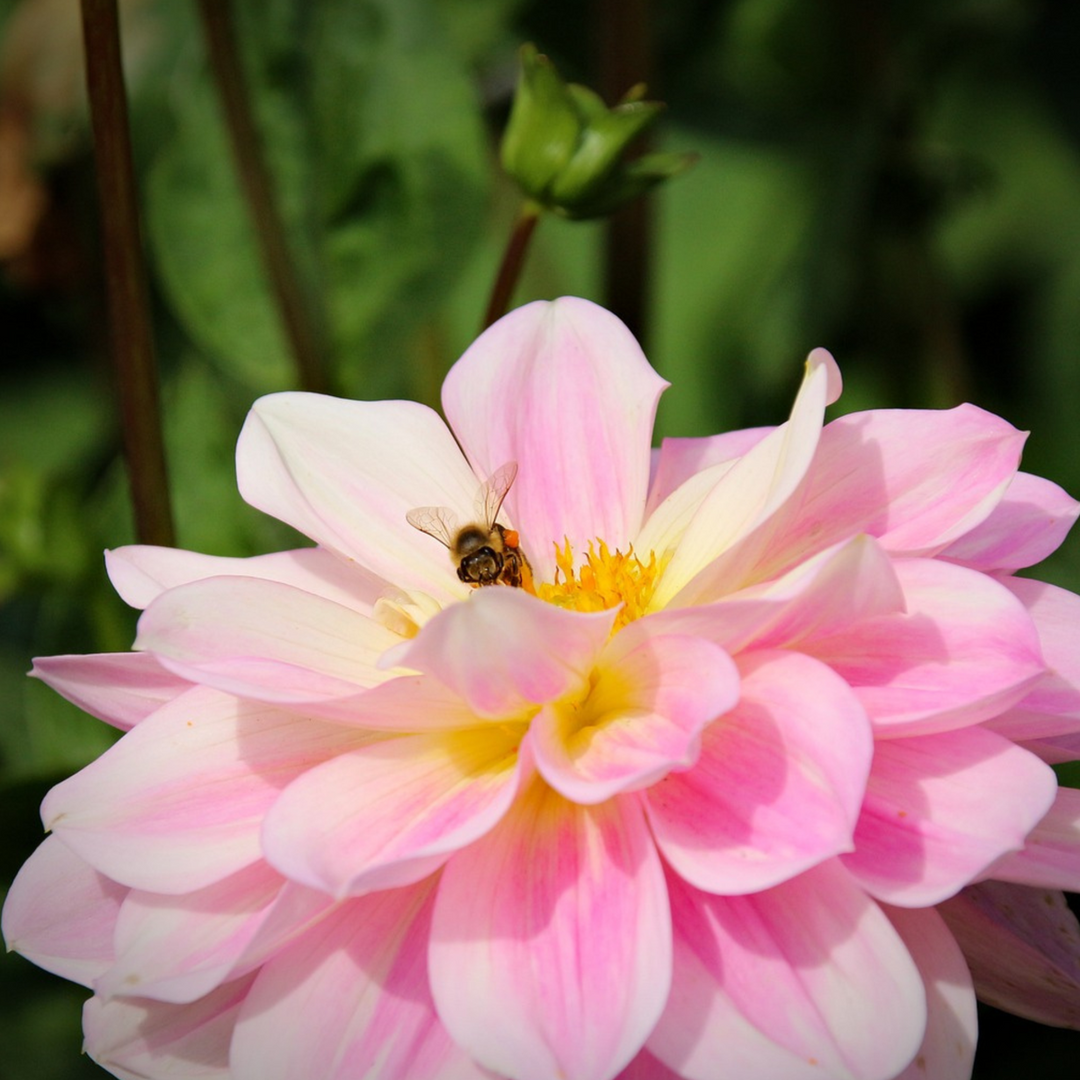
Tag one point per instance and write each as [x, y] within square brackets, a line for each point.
[378, 159]
[397, 123]
[205, 247]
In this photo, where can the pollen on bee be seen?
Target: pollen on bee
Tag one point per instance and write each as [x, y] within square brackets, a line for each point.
[604, 580]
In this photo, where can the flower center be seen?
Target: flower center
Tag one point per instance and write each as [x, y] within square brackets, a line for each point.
[606, 579]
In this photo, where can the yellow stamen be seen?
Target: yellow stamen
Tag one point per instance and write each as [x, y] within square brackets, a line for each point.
[605, 580]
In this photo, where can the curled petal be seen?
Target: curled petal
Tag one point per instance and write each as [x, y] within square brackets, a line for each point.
[564, 390]
[915, 480]
[648, 701]
[778, 785]
[346, 473]
[1023, 948]
[60, 913]
[1057, 750]
[844, 585]
[830, 592]
[351, 1000]
[963, 651]
[805, 980]
[1029, 523]
[119, 688]
[177, 803]
[140, 573]
[264, 640]
[178, 948]
[927, 826]
[679, 459]
[557, 923]
[948, 1048]
[134, 1038]
[391, 813]
[1052, 706]
[1050, 857]
[667, 522]
[939, 474]
[505, 651]
[747, 495]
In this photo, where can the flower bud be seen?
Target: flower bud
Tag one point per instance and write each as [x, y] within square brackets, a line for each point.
[566, 148]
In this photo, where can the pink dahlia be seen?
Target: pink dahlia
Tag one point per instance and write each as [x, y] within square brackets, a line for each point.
[748, 778]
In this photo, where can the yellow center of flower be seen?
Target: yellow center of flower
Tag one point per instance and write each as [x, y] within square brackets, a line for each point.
[606, 579]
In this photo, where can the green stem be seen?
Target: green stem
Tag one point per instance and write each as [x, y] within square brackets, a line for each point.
[296, 315]
[132, 343]
[513, 260]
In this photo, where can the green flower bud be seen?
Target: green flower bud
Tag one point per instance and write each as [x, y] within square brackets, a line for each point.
[565, 147]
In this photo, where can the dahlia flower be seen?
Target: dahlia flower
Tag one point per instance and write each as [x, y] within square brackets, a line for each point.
[748, 779]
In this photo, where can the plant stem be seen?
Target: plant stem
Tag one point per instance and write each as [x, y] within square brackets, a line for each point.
[513, 260]
[297, 320]
[125, 276]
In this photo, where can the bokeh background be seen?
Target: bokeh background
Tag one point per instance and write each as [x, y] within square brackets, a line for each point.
[898, 180]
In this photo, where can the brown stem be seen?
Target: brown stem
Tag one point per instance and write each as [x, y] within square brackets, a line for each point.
[125, 276]
[512, 262]
[296, 316]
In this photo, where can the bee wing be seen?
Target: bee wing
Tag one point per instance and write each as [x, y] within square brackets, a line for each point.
[490, 498]
[437, 521]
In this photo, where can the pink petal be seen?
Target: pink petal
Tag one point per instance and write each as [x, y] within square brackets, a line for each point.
[505, 650]
[60, 913]
[679, 459]
[1050, 857]
[940, 473]
[747, 495]
[140, 573]
[778, 785]
[556, 923]
[119, 688]
[1053, 736]
[1057, 750]
[915, 480]
[1029, 523]
[826, 595]
[177, 803]
[392, 813]
[948, 1048]
[1023, 948]
[806, 980]
[351, 1000]
[409, 703]
[134, 1038]
[642, 716]
[178, 948]
[964, 650]
[927, 826]
[264, 640]
[667, 523]
[564, 390]
[1052, 707]
[647, 1067]
[346, 473]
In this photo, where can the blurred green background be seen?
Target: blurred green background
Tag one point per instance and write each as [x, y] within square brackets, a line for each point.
[898, 180]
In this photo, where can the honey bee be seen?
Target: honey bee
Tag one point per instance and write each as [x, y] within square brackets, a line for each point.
[484, 552]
